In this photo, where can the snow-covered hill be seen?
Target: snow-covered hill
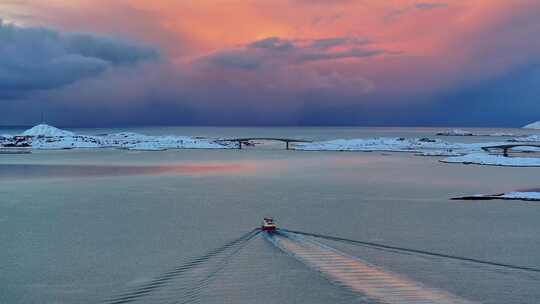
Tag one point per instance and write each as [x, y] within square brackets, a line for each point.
[534, 125]
[46, 130]
[48, 137]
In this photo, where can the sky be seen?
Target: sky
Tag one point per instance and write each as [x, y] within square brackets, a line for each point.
[95, 63]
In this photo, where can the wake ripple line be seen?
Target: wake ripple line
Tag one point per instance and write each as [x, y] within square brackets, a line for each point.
[194, 293]
[163, 279]
[358, 276]
[417, 251]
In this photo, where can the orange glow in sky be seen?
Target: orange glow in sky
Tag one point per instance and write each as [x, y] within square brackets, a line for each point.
[361, 50]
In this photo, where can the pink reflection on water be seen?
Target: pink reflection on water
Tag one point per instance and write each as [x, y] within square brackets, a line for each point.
[361, 277]
[18, 171]
[206, 168]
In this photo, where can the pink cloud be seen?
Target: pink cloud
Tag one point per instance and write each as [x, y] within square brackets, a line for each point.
[268, 55]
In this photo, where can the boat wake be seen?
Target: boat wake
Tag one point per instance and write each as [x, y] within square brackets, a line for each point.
[358, 276]
[185, 283]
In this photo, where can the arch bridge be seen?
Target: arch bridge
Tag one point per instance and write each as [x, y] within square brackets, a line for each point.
[506, 148]
[246, 140]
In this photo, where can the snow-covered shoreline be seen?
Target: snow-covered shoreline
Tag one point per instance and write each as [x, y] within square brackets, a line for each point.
[529, 138]
[481, 158]
[459, 132]
[464, 153]
[420, 146]
[516, 195]
[45, 137]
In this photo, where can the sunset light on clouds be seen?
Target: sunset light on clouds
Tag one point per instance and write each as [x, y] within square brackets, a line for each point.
[284, 62]
[163, 151]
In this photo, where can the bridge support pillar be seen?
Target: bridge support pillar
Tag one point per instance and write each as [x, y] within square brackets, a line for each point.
[286, 145]
[239, 145]
[505, 152]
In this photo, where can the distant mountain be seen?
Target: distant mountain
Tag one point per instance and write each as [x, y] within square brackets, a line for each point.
[534, 125]
[46, 130]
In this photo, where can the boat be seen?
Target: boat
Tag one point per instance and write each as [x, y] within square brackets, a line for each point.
[268, 225]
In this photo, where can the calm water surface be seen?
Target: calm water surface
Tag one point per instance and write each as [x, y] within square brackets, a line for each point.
[82, 226]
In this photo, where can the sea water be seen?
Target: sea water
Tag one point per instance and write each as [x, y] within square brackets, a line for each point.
[80, 226]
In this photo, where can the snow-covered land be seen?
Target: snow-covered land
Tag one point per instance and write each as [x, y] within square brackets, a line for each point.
[376, 144]
[517, 195]
[530, 138]
[522, 195]
[534, 125]
[46, 130]
[526, 149]
[501, 134]
[455, 132]
[421, 146]
[48, 137]
[439, 153]
[494, 160]
[459, 132]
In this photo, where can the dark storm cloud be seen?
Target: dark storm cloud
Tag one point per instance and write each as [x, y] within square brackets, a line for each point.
[279, 81]
[274, 52]
[236, 59]
[423, 6]
[327, 43]
[273, 43]
[41, 59]
[429, 5]
[509, 100]
[353, 53]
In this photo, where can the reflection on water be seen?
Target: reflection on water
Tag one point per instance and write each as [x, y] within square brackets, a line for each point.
[359, 276]
[15, 171]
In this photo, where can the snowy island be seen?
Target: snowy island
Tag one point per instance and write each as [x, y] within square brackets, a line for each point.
[459, 132]
[48, 137]
[421, 146]
[43, 137]
[464, 153]
[481, 158]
